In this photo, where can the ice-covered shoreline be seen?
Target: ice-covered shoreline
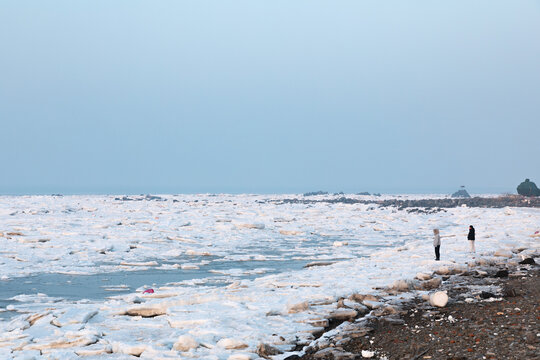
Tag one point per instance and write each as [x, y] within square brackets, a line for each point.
[463, 327]
[375, 246]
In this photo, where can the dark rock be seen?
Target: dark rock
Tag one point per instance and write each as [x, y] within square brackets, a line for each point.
[487, 295]
[528, 261]
[363, 193]
[501, 274]
[292, 357]
[528, 188]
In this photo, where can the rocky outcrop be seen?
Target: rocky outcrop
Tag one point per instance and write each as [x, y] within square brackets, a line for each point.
[528, 188]
[462, 193]
[432, 205]
[314, 193]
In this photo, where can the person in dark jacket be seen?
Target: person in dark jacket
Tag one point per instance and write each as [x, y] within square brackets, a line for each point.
[471, 238]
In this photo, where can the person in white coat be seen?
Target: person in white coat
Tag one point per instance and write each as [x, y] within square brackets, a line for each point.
[437, 243]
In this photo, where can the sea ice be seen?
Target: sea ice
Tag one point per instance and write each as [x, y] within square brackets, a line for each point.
[240, 262]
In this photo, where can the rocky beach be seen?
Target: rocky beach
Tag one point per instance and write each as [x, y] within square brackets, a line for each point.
[493, 312]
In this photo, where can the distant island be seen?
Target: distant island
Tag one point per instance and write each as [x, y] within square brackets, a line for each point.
[461, 193]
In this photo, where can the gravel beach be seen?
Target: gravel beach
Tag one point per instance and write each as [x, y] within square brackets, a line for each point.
[503, 323]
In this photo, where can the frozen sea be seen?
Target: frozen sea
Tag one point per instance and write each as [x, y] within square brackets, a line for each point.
[226, 270]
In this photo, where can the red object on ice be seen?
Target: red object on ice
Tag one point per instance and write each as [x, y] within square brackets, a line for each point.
[148, 291]
[536, 232]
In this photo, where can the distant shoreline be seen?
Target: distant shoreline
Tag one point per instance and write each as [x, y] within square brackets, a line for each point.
[480, 202]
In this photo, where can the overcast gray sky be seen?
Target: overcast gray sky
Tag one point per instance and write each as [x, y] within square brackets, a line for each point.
[268, 96]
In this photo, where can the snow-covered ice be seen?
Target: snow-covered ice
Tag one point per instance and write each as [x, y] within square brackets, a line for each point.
[227, 270]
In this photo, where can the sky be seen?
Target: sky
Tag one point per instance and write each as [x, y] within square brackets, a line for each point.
[128, 97]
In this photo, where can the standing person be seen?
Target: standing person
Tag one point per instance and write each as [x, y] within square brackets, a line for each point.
[471, 238]
[437, 244]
